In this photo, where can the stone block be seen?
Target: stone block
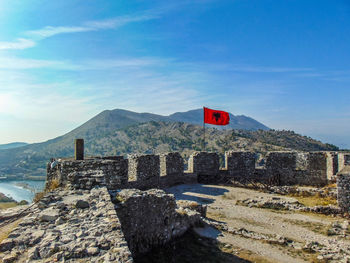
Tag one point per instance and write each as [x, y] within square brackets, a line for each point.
[85, 174]
[318, 163]
[206, 165]
[281, 166]
[144, 170]
[79, 149]
[239, 163]
[343, 187]
[151, 218]
[171, 164]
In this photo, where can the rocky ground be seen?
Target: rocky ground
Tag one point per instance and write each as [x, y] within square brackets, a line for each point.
[79, 226]
[274, 228]
[242, 225]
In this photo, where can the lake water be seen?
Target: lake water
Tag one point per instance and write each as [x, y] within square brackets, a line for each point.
[17, 191]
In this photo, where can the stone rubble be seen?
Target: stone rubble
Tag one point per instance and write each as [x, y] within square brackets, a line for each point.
[67, 226]
[333, 251]
[291, 205]
[304, 191]
[152, 218]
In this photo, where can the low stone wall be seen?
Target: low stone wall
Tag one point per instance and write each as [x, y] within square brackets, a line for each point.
[281, 166]
[159, 171]
[343, 160]
[335, 163]
[85, 174]
[171, 164]
[206, 165]
[343, 186]
[239, 163]
[318, 172]
[69, 226]
[144, 171]
[298, 168]
[172, 169]
[152, 218]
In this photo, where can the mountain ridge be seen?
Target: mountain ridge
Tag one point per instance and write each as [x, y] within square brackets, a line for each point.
[12, 145]
[120, 132]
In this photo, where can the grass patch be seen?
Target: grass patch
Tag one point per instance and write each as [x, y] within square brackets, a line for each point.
[5, 205]
[38, 196]
[6, 230]
[316, 200]
[54, 184]
[218, 216]
[313, 226]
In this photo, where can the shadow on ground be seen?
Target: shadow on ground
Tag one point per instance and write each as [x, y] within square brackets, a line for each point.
[190, 248]
[183, 192]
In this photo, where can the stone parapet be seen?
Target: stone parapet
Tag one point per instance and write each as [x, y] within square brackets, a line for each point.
[343, 187]
[85, 174]
[152, 218]
[281, 166]
[206, 165]
[159, 171]
[238, 163]
[144, 171]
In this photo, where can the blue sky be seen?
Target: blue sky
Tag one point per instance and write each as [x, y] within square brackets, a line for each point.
[284, 63]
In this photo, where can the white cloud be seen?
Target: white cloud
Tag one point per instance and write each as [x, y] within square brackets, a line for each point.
[112, 23]
[10, 63]
[245, 68]
[16, 63]
[50, 31]
[120, 21]
[20, 43]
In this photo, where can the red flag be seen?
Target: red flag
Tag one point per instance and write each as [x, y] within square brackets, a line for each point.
[216, 117]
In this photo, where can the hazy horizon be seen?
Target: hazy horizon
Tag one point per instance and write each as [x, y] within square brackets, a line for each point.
[283, 63]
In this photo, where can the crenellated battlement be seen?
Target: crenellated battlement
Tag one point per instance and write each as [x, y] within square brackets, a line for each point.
[164, 170]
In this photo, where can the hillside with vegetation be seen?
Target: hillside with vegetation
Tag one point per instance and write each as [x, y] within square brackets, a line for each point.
[149, 137]
[12, 145]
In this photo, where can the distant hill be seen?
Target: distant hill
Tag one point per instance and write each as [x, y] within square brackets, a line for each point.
[236, 121]
[116, 119]
[12, 145]
[121, 132]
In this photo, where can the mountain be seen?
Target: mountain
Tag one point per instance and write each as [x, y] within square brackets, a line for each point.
[236, 121]
[118, 118]
[12, 145]
[121, 132]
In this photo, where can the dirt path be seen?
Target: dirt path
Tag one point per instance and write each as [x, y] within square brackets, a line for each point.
[258, 223]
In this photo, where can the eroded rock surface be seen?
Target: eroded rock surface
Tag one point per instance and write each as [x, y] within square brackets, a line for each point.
[152, 218]
[69, 226]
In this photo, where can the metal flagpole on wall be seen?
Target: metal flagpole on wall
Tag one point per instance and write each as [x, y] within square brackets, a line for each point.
[204, 130]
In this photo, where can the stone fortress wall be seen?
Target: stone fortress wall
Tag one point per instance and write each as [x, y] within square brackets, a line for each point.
[160, 171]
[144, 215]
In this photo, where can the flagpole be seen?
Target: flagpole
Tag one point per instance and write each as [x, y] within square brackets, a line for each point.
[204, 130]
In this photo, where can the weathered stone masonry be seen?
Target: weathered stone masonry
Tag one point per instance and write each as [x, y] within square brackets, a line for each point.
[159, 171]
[147, 219]
[85, 174]
[154, 171]
[205, 165]
[151, 218]
[343, 185]
[144, 171]
[240, 163]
